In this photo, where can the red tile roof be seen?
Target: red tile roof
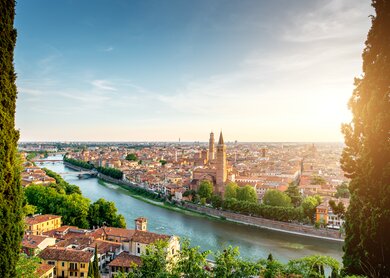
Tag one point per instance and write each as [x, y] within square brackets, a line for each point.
[124, 259]
[43, 268]
[62, 254]
[148, 237]
[40, 218]
[32, 241]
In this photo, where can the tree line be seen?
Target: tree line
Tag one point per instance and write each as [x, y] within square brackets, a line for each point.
[190, 262]
[65, 199]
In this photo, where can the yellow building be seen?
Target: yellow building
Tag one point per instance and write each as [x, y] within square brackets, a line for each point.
[67, 262]
[38, 224]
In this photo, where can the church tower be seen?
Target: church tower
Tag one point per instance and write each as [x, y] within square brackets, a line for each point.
[221, 171]
[211, 147]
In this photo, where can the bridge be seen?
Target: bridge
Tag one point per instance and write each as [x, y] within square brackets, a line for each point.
[47, 160]
[81, 174]
[92, 173]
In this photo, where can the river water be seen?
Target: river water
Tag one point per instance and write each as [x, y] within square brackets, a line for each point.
[254, 243]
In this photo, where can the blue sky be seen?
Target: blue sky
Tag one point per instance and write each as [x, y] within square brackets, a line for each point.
[163, 70]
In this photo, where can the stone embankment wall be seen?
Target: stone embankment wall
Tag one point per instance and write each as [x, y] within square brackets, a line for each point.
[269, 224]
[74, 167]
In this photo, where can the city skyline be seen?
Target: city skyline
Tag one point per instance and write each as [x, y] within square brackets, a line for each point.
[147, 71]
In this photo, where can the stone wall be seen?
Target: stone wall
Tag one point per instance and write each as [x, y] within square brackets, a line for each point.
[267, 223]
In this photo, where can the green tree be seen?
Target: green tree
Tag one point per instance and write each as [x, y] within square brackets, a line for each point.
[154, 260]
[132, 157]
[103, 212]
[309, 205]
[231, 190]
[216, 201]
[342, 191]
[338, 209]
[163, 162]
[294, 194]
[276, 198]
[191, 263]
[366, 156]
[317, 180]
[11, 195]
[228, 264]
[95, 264]
[205, 189]
[247, 193]
[26, 266]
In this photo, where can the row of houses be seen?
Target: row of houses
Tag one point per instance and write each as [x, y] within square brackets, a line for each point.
[67, 251]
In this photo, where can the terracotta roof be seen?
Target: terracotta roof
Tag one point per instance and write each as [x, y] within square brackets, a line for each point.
[62, 254]
[40, 218]
[43, 269]
[103, 246]
[148, 237]
[119, 232]
[32, 241]
[124, 259]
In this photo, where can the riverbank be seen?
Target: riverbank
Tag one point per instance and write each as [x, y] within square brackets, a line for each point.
[220, 215]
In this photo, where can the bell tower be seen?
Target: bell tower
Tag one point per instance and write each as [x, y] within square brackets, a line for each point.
[211, 147]
[221, 171]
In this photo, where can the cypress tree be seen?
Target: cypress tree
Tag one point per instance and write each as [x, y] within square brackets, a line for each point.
[95, 266]
[366, 156]
[11, 225]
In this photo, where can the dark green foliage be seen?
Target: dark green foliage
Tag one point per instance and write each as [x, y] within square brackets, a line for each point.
[366, 156]
[276, 198]
[309, 205]
[189, 262]
[338, 209]
[154, 261]
[111, 172]
[27, 266]
[294, 194]
[73, 208]
[78, 163]
[131, 157]
[62, 184]
[265, 211]
[342, 191]
[95, 264]
[163, 162]
[216, 201]
[317, 180]
[247, 194]
[228, 264]
[313, 266]
[192, 263]
[205, 189]
[11, 196]
[103, 212]
[231, 190]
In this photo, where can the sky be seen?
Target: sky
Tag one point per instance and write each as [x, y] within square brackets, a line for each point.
[261, 71]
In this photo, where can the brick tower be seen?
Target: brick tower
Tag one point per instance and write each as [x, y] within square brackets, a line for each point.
[221, 171]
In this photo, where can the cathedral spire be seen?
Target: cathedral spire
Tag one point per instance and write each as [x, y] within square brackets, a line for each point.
[221, 142]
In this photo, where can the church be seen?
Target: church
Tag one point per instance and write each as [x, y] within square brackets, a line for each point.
[212, 165]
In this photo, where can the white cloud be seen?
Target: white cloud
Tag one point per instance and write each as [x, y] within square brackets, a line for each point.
[103, 85]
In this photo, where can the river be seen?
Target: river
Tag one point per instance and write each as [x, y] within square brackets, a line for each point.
[254, 243]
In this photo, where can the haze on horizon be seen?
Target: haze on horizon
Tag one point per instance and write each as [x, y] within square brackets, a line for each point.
[157, 71]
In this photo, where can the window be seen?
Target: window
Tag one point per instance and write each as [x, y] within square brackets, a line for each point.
[82, 265]
[50, 262]
[63, 263]
[71, 273]
[138, 250]
[81, 274]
